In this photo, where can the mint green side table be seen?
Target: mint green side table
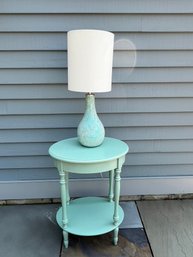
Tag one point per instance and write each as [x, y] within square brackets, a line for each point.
[89, 216]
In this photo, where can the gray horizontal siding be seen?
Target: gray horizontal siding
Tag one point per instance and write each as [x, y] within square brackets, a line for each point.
[136, 146]
[135, 133]
[73, 106]
[100, 6]
[122, 59]
[108, 119]
[150, 106]
[57, 41]
[120, 75]
[59, 91]
[132, 159]
[128, 171]
[121, 23]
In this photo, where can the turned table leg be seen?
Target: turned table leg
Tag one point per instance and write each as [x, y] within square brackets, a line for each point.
[63, 185]
[67, 188]
[65, 236]
[117, 196]
[111, 185]
[116, 233]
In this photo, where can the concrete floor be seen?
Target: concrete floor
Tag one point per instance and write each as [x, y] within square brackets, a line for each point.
[32, 231]
[132, 243]
[169, 226]
[29, 231]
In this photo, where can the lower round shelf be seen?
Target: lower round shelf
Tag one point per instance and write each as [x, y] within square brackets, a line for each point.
[90, 216]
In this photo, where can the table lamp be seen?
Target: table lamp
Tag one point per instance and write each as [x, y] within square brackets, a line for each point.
[90, 58]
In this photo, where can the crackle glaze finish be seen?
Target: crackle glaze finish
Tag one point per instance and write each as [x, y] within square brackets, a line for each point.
[91, 131]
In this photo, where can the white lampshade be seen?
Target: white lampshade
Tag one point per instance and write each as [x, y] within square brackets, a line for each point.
[90, 58]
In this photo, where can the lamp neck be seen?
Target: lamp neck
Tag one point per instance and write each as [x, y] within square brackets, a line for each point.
[90, 103]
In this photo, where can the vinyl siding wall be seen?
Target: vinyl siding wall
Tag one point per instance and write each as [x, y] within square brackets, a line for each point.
[150, 107]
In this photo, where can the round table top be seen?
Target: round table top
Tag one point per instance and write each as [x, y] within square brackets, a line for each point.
[70, 150]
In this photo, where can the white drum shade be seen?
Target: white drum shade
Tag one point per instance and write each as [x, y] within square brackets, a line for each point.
[90, 59]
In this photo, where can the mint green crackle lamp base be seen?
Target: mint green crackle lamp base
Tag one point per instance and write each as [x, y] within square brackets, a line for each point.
[91, 131]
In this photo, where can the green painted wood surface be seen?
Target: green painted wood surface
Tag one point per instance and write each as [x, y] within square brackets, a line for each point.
[90, 216]
[71, 151]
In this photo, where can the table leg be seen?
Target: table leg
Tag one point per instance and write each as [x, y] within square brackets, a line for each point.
[67, 188]
[111, 185]
[63, 183]
[115, 239]
[65, 236]
[117, 196]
